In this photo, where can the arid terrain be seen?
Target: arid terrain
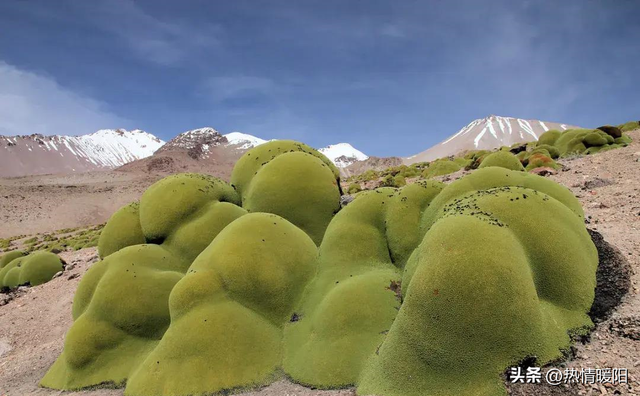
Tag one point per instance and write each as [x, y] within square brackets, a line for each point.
[33, 321]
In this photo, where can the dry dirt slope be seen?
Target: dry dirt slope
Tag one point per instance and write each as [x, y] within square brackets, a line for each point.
[32, 326]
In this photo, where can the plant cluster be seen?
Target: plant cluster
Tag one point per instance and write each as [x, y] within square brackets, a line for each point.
[206, 287]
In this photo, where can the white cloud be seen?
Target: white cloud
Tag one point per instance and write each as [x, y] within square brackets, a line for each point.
[231, 87]
[394, 31]
[33, 103]
[153, 39]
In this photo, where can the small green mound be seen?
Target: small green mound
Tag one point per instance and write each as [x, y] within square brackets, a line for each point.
[629, 126]
[441, 168]
[549, 137]
[354, 188]
[17, 269]
[502, 159]
[123, 229]
[549, 151]
[6, 258]
[541, 160]
[623, 140]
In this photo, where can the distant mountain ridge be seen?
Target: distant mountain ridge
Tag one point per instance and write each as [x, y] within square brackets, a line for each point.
[207, 149]
[104, 149]
[343, 154]
[486, 134]
[199, 142]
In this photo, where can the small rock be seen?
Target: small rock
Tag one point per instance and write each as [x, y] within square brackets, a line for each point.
[346, 200]
[543, 171]
[57, 275]
[73, 276]
[595, 183]
[628, 327]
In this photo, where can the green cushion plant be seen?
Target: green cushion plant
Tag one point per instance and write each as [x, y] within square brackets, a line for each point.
[397, 294]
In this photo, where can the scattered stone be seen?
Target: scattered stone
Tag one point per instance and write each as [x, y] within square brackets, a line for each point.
[518, 149]
[346, 200]
[5, 347]
[7, 296]
[73, 276]
[595, 183]
[628, 327]
[543, 171]
[57, 275]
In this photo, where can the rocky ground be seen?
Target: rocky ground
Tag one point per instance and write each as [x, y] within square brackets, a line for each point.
[46, 203]
[29, 205]
[33, 321]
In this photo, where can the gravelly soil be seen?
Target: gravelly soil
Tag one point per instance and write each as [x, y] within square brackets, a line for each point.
[33, 324]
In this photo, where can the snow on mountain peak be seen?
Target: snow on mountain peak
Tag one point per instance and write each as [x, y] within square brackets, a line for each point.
[243, 140]
[105, 148]
[488, 133]
[195, 139]
[343, 154]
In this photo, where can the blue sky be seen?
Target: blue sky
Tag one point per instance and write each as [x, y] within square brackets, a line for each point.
[390, 77]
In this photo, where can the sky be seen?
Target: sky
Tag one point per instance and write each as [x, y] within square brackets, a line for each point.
[389, 77]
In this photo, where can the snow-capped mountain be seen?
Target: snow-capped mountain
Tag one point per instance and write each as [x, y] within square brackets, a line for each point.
[197, 142]
[243, 140]
[343, 154]
[104, 149]
[488, 133]
[200, 142]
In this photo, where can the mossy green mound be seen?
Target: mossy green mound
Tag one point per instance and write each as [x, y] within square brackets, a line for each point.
[502, 159]
[541, 160]
[623, 140]
[122, 230]
[549, 137]
[10, 256]
[577, 141]
[249, 164]
[629, 126]
[354, 188]
[354, 298]
[18, 269]
[287, 178]
[400, 297]
[120, 312]
[228, 312]
[441, 168]
[549, 151]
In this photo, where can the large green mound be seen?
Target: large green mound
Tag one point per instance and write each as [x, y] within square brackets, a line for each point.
[17, 268]
[287, 178]
[396, 293]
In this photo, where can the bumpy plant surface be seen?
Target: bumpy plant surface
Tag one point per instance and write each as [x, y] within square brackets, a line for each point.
[207, 287]
[502, 159]
[586, 141]
[442, 167]
[19, 268]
